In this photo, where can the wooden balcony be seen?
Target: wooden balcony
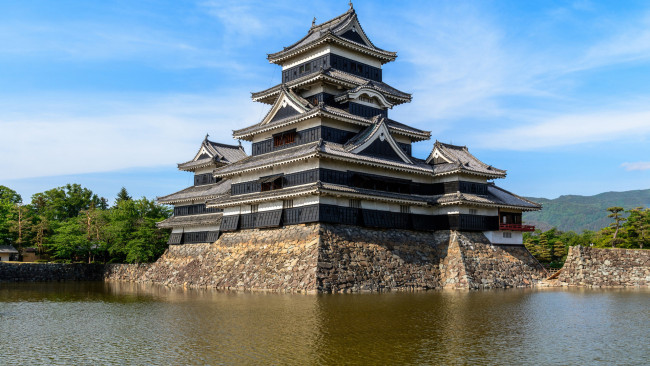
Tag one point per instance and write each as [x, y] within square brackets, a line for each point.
[516, 227]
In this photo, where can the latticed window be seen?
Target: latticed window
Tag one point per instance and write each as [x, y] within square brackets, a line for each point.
[507, 234]
[254, 208]
[405, 209]
[473, 211]
[284, 138]
[355, 203]
[288, 204]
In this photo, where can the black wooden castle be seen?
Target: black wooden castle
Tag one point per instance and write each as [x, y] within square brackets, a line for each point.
[327, 151]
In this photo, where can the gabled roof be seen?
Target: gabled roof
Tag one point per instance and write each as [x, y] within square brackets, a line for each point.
[8, 249]
[339, 78]
[287, 104]
[213, 153]
[196, 193]
[344, 30]
[323, 110]
[376, 137]
[453, 159]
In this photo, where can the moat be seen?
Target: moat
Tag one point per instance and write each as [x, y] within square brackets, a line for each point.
[123, 323]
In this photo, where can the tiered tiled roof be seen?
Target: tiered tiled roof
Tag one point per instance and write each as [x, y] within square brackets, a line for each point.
[191, 220]
[323, 110]
[496, 197]
[333, 31]
[188, 194]
[336, 77]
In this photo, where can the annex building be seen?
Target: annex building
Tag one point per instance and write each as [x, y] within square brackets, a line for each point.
[329, 153]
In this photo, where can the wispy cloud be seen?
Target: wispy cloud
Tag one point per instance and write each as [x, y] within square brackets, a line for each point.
[56, 137]
[639, 165]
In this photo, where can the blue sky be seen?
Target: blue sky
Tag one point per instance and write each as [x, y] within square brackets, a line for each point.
[115, 93]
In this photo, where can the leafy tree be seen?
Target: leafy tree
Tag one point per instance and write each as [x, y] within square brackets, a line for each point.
[9, 201]
[618, 219]
[559, 250]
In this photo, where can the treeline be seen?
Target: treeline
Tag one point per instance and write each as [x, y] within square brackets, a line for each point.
[628, 229]
[71, 223]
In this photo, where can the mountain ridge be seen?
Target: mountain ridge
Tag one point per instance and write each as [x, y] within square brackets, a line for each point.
[579, 213]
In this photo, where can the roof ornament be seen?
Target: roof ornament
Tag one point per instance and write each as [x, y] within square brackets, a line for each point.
[351, 6]
[206, 136]
[239, 140]
[313, 22]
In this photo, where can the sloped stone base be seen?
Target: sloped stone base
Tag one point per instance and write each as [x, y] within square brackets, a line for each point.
[339, 258]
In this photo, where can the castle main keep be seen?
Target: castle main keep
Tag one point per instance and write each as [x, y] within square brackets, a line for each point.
[330, 165]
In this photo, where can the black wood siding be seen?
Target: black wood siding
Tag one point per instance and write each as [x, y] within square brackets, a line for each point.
[334, 61]
[202, 179]
[300, 215]
[381, 149]
[304, 137]
[230, 223]
[366, 111]
[194, 210]
[175, 238]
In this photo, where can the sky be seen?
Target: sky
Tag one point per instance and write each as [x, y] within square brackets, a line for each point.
[115, 93]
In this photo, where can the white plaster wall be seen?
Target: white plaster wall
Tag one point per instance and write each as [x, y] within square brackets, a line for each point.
[208, 169]
[463, 177]
[229, 211]
[496, 237]
[326, 48]
[295, 167]
[193, 229]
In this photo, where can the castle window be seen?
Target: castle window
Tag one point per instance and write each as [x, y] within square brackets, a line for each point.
[271, 182]
[405, 209]
[473, 211]
[507, 234]
[254, 208]
[287, 204]
[284, 138]
[355, 203]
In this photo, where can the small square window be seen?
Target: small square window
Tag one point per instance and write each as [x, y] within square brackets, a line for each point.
[355, 203]
[254, 208]
[507, 234]
[405, 209]
[473, 211]
[287, 204]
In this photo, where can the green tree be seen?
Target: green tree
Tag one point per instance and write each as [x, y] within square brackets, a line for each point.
[9, 202]
[122, 195]
[618, 219]
[559, 250]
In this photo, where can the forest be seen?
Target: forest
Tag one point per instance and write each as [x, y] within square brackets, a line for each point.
[72, 224]
[628, 229]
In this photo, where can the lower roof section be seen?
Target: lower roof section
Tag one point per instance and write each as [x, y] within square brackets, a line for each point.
[202, 192]
[213, 219]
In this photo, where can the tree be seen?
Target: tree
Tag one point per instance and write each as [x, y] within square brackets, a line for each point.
[122, 195]
[9, 201]
[618, 219]
[559, 250]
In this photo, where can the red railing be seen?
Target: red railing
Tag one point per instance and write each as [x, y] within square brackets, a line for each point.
[516, 227]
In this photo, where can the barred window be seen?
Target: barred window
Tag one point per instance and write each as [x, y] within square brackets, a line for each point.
[355, 203]
[405, 209]
[284, 138]
[288, 204]
[507, 234]
[254, 208]
[473, 211]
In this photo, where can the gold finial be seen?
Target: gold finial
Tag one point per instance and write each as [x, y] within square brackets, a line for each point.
[313, 22]
[350, 3]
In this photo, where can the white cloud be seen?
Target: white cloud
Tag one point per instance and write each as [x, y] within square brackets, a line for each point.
[570, 129]
[57, 138]
[639, 165]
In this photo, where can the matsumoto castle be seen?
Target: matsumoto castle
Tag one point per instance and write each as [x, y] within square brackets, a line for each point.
[327, 151]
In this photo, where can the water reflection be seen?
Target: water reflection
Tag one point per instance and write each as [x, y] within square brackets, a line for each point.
[122, 323]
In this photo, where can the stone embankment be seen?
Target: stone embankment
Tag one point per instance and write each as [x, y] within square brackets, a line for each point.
[45, 272]
[598, 267]
[338, 258]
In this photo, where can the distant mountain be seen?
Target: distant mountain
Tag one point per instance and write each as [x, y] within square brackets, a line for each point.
[580, 213]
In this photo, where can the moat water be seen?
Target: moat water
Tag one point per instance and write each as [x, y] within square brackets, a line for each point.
[126, 324]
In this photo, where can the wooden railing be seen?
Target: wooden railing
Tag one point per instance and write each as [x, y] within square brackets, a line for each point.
[516, 227]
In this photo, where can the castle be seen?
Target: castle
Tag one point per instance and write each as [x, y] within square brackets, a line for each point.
[328, 153]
